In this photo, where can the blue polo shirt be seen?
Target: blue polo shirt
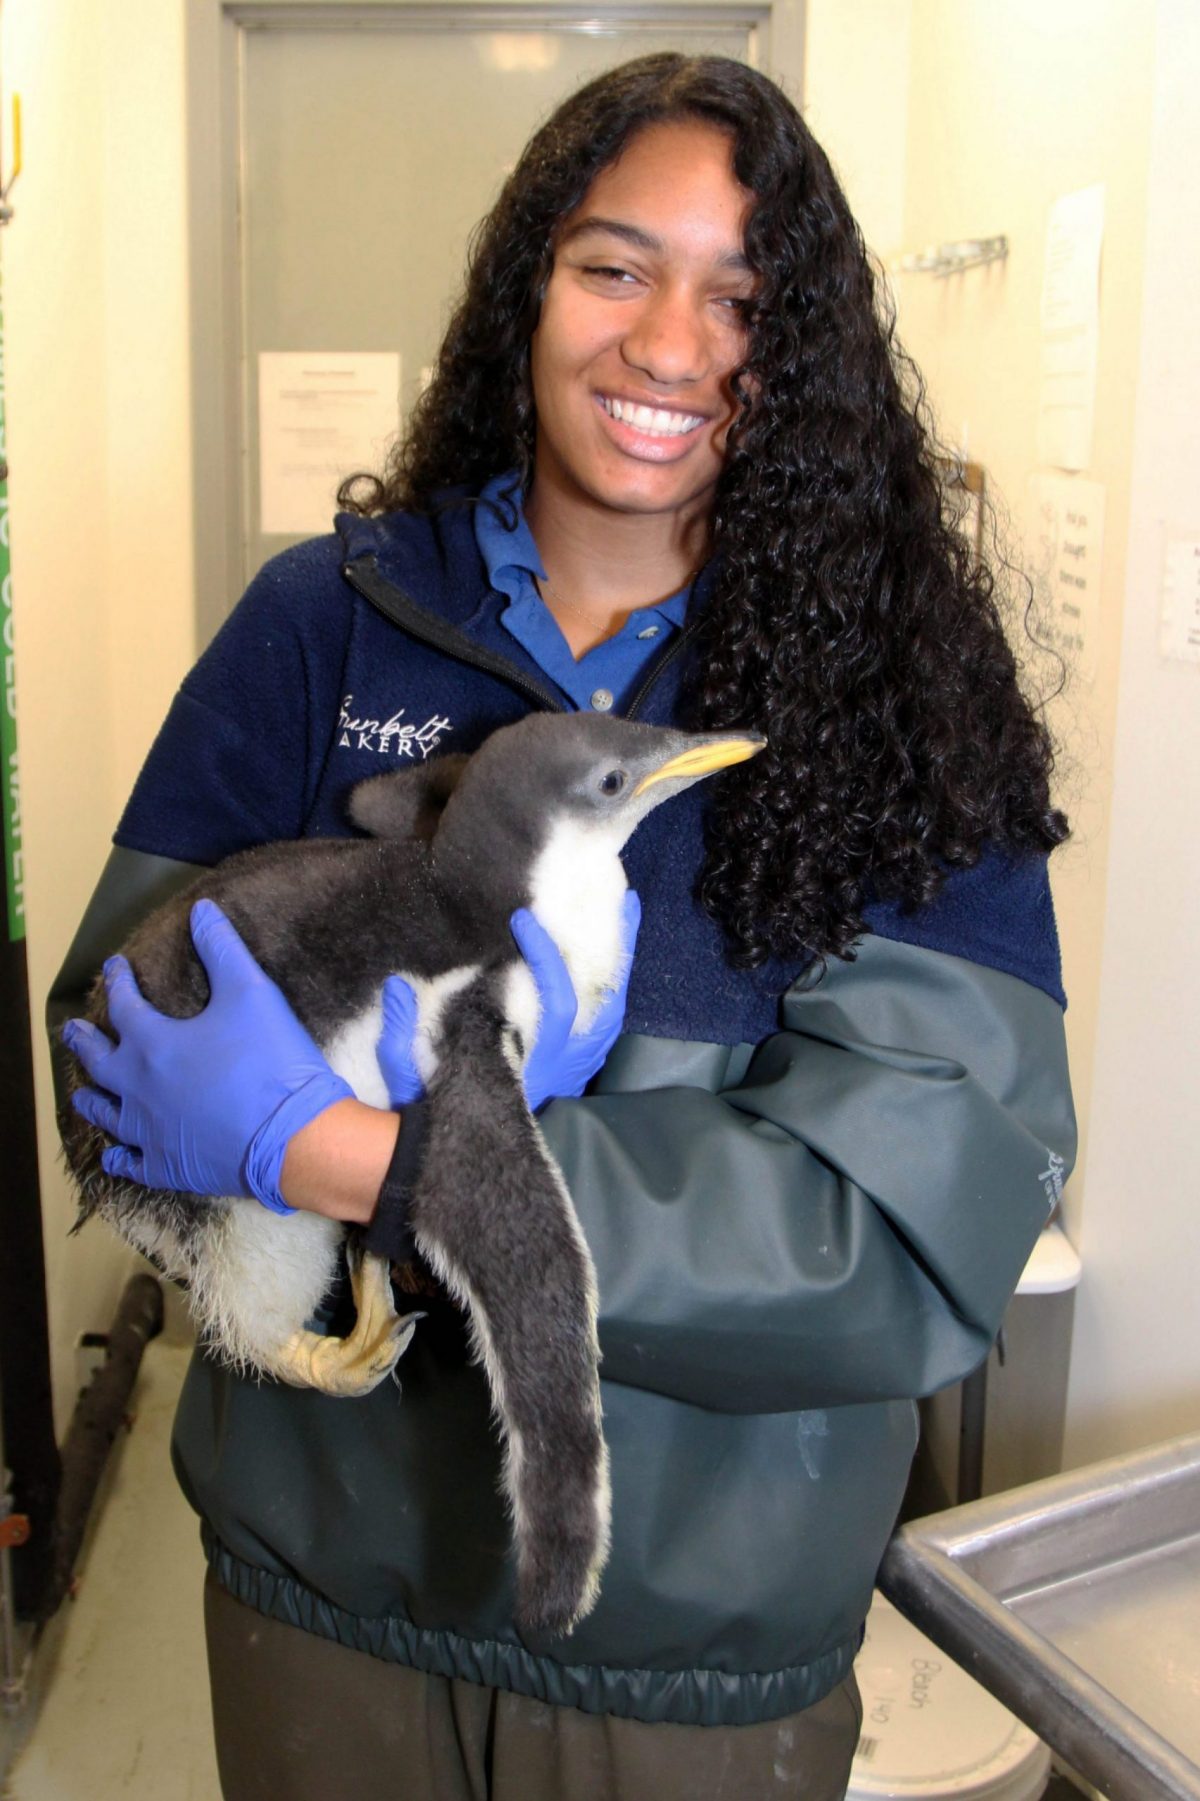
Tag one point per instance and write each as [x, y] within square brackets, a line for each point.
[603, 677]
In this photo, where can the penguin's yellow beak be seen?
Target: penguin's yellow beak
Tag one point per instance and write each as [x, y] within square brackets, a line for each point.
[704, 759]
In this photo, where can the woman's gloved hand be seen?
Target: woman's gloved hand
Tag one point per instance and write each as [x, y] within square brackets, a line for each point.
[394, 1051]
[206, 1104]
[562, 1061]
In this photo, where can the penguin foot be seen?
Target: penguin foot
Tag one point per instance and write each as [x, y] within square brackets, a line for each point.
[358, 1363]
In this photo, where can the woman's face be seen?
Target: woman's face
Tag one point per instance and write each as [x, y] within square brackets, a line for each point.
[642, 325]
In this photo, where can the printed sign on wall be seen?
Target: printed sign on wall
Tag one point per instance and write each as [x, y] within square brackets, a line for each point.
[322, 415]
[1065, 555]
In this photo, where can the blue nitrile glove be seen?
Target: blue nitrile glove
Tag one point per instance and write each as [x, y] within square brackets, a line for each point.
[394, 1051]
[562, 1062]
[206, 1104]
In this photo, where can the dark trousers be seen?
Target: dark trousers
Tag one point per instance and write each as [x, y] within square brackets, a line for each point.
[299, 1718]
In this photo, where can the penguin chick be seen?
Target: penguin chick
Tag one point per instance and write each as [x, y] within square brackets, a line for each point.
[536, 818]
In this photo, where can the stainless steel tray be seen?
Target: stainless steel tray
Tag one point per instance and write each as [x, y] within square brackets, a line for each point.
[1076, 1601]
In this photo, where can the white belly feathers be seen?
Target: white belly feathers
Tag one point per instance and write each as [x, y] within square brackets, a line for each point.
[576, 888]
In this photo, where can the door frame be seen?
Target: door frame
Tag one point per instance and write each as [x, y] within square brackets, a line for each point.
[221, 388]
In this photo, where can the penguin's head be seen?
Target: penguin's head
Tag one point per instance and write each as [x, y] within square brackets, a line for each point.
[583, 776]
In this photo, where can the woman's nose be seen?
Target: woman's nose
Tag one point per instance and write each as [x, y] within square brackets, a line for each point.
[669, 341]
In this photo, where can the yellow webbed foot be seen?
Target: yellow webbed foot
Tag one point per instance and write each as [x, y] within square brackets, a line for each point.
[358, 1363]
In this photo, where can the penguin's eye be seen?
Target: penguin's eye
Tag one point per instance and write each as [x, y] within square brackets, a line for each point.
[613, 782]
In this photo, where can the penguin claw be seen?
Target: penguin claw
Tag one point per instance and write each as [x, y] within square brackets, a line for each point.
[358, 1363]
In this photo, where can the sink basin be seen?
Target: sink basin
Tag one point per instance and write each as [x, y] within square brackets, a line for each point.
[1076, 1601]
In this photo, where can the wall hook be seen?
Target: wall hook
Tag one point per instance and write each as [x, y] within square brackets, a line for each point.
[948, 259]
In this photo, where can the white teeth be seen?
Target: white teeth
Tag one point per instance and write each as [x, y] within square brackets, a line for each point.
[653, 420]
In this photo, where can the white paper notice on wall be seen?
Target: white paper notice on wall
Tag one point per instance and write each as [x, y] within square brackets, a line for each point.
[1070, 329]
[1065, 555]
[321, 415]
[1181, 600]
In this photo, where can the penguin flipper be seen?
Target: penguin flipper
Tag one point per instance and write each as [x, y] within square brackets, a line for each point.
[492, 1217]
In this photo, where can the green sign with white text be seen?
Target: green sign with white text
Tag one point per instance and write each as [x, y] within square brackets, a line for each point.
[13, 870]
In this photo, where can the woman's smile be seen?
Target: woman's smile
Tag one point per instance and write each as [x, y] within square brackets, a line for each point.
[647, 429]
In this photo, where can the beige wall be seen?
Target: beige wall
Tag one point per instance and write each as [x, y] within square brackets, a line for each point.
[98, 434]
[1009, 108]
[856, 93]
[1005, 109]
[1135, 1368]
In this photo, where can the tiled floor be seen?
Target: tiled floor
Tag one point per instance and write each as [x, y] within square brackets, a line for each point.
[125, 1715]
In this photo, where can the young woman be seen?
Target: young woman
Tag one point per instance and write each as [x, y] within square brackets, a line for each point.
[667, 466]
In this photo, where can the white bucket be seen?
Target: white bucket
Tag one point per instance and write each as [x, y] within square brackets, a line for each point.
[929, 1732]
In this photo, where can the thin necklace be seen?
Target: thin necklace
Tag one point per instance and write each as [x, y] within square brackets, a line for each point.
[605, 625]
[601, 625]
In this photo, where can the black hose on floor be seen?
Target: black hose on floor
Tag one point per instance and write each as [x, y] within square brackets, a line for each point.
[99, 1415]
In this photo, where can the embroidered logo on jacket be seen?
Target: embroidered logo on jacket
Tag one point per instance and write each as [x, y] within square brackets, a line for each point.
[394, 737]
[1051, 1179]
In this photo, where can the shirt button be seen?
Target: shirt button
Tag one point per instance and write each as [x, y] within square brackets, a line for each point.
[602, 700]
[651, 631]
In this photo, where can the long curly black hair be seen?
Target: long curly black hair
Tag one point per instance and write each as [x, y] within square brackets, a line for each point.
[849, 620]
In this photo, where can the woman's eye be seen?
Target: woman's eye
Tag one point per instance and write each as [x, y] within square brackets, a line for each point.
[613, 782]
[618, 277]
